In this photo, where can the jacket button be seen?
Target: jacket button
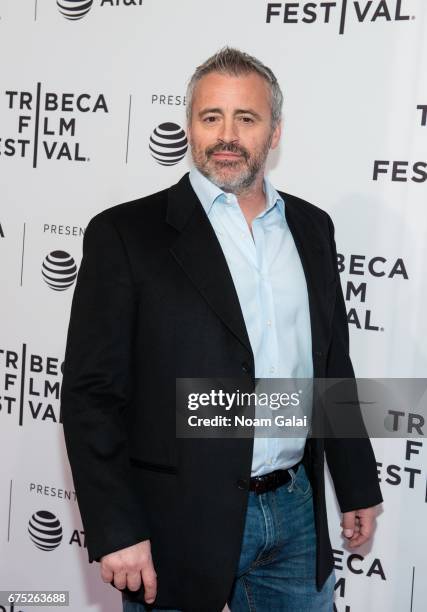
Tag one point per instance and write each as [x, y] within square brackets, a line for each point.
[318, 353]
[246, 367]
[242, 484]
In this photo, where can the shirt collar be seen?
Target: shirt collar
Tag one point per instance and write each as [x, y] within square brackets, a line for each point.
[208, 193]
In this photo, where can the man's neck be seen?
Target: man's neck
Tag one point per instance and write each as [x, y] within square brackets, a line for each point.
[252, 201]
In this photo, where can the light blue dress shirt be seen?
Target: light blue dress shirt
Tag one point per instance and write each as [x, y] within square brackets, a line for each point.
[272, 291]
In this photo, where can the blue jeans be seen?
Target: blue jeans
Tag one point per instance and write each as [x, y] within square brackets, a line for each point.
[277, 566]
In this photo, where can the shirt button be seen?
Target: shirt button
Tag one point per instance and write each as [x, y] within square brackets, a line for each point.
[272, 370]
[269, 323]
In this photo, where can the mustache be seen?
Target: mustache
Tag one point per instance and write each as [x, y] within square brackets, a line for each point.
[229, 147]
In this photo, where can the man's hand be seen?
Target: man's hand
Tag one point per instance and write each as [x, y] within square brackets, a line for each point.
[129, 566]
[358, 525]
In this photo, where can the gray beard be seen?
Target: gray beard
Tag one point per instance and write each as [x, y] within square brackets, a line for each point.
[243, 180]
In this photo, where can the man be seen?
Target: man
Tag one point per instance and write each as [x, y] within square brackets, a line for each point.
[218, 276]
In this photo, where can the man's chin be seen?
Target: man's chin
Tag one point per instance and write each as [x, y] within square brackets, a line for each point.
[227, 182]
[225, 171]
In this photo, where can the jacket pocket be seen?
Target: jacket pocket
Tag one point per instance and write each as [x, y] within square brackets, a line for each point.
[153, 467]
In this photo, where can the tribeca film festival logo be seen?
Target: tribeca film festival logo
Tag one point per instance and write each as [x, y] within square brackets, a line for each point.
[168, 144]
[409, 472]
[356, 565]
[46, 124]
[403, 171]
[59, 270]
[30, 386]
[339, 13]
[374, 267]
[73, 10]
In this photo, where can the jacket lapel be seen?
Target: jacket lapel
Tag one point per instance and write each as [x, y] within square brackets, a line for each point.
[314, 257]
[199, 254]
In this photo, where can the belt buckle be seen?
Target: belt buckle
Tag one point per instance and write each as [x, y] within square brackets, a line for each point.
[267, 482]
[259, 485]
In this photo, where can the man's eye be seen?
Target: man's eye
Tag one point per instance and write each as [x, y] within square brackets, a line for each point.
[247, 119]
[210, 119]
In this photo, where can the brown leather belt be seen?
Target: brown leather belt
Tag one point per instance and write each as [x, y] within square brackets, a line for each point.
[271, 481]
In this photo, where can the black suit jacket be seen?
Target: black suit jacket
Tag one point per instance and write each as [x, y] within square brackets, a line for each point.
[154, 301]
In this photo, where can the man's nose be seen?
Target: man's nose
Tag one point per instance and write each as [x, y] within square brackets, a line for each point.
[228, 131]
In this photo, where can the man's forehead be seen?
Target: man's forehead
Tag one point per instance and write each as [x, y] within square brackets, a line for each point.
[219, 85]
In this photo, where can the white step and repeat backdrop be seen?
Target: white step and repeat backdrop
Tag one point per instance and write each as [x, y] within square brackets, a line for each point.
[81, 99]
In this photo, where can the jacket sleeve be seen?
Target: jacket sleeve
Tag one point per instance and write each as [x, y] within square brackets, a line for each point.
[96, 390]
[351, 460]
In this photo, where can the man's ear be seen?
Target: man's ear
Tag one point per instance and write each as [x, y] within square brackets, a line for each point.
[188, 131]
[277, 132]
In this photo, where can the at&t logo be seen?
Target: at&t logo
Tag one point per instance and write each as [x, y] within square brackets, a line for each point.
[168, 144]
[59, 270]
[74, 9]
[45, 530]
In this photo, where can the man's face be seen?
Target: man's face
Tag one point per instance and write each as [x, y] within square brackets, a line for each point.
[230, 132]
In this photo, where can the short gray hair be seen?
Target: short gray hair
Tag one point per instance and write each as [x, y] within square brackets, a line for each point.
[236, 63]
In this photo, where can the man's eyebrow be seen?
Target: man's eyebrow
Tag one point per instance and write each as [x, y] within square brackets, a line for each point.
[247, 111]
[239, 111]
[205, 111]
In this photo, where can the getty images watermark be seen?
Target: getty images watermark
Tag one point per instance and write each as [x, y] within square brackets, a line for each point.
[300, 407]
[218, 398]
